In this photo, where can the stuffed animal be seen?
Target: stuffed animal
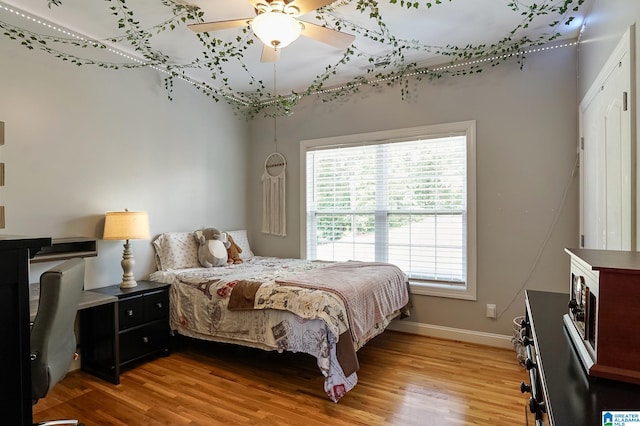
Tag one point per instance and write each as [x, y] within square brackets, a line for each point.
[233, 251]
[212, 247]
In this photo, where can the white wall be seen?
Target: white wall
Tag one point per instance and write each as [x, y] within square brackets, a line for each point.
[81, 141]
[607, 22]
[526, 151]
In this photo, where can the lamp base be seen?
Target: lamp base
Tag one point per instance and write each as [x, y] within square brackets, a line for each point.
[127, 267]
[128, 283]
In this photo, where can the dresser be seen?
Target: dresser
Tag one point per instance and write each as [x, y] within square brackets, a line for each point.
[114, 336]
[562, 392]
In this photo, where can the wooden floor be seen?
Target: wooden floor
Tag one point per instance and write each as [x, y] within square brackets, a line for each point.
[403, 380]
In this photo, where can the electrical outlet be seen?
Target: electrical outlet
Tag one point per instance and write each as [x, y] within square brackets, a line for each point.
[491, 311]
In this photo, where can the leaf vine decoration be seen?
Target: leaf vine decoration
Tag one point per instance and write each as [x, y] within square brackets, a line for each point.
[390, 69]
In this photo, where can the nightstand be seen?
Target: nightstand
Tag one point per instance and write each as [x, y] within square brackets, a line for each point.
[118, 335]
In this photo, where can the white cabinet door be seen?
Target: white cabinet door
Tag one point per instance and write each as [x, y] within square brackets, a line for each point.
[606, 189]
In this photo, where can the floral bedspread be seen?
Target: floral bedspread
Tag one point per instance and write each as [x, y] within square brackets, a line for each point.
[200, 296]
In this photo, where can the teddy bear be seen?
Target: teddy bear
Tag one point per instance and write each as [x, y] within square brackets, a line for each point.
[233, 251]
[212, 247]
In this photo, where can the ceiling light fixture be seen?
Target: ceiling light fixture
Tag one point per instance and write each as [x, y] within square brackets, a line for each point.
[276, 29]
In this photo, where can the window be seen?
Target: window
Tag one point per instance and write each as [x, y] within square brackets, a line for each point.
[405, 197]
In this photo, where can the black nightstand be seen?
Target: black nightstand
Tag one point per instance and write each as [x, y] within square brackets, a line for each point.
[117, 335]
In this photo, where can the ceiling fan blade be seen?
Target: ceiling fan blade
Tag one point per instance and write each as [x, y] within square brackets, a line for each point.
[269, 54]
[255, 3]
[326, 35]
[219, 25]
[306, 6]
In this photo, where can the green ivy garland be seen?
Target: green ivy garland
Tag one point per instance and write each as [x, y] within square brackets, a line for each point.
[391, 69]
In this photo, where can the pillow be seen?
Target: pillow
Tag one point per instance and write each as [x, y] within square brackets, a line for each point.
[176, 250]
[240, 238]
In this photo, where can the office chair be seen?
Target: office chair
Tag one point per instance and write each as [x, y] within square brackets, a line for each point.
[53, 338]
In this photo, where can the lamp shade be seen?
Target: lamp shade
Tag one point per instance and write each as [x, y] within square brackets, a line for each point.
[276, 29]
[126, 226]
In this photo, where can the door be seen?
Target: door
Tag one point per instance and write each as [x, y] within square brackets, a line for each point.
[606, 186]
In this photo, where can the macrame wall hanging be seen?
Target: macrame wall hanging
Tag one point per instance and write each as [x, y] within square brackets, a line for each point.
[274, 218]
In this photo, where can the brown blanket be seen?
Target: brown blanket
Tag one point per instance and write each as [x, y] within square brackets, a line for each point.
[243, 295]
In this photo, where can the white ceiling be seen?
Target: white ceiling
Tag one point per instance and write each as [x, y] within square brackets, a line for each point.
[450, 23]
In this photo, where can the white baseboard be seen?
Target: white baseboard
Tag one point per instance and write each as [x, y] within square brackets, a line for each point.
[469, 336]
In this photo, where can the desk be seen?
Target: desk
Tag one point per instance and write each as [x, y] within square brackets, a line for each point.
[89, 299]
[118, 327]
[15, 387]
[105, 303]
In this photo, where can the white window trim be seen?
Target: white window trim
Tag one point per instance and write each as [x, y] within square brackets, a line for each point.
[466, 128]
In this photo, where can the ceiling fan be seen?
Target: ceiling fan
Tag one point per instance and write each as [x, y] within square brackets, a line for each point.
[276, 25]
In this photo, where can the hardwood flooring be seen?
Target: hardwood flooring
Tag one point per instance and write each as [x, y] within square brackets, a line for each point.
[403, 380]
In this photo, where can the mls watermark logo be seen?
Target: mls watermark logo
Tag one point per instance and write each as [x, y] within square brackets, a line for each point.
[621, 418]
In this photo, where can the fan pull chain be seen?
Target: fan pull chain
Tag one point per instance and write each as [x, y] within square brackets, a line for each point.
[275, 133]
[275, 115]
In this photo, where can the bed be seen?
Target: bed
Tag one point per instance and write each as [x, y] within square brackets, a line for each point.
[326, 309]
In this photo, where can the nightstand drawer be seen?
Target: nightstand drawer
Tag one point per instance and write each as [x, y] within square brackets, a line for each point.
[130, 312]
[156, 306]
[143, 341]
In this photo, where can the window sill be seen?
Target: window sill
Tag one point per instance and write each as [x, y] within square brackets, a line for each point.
[442, 290]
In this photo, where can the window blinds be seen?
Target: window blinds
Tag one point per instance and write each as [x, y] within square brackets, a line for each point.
[399, 202]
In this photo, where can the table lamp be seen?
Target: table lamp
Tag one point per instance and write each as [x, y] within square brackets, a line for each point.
[127, 226]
